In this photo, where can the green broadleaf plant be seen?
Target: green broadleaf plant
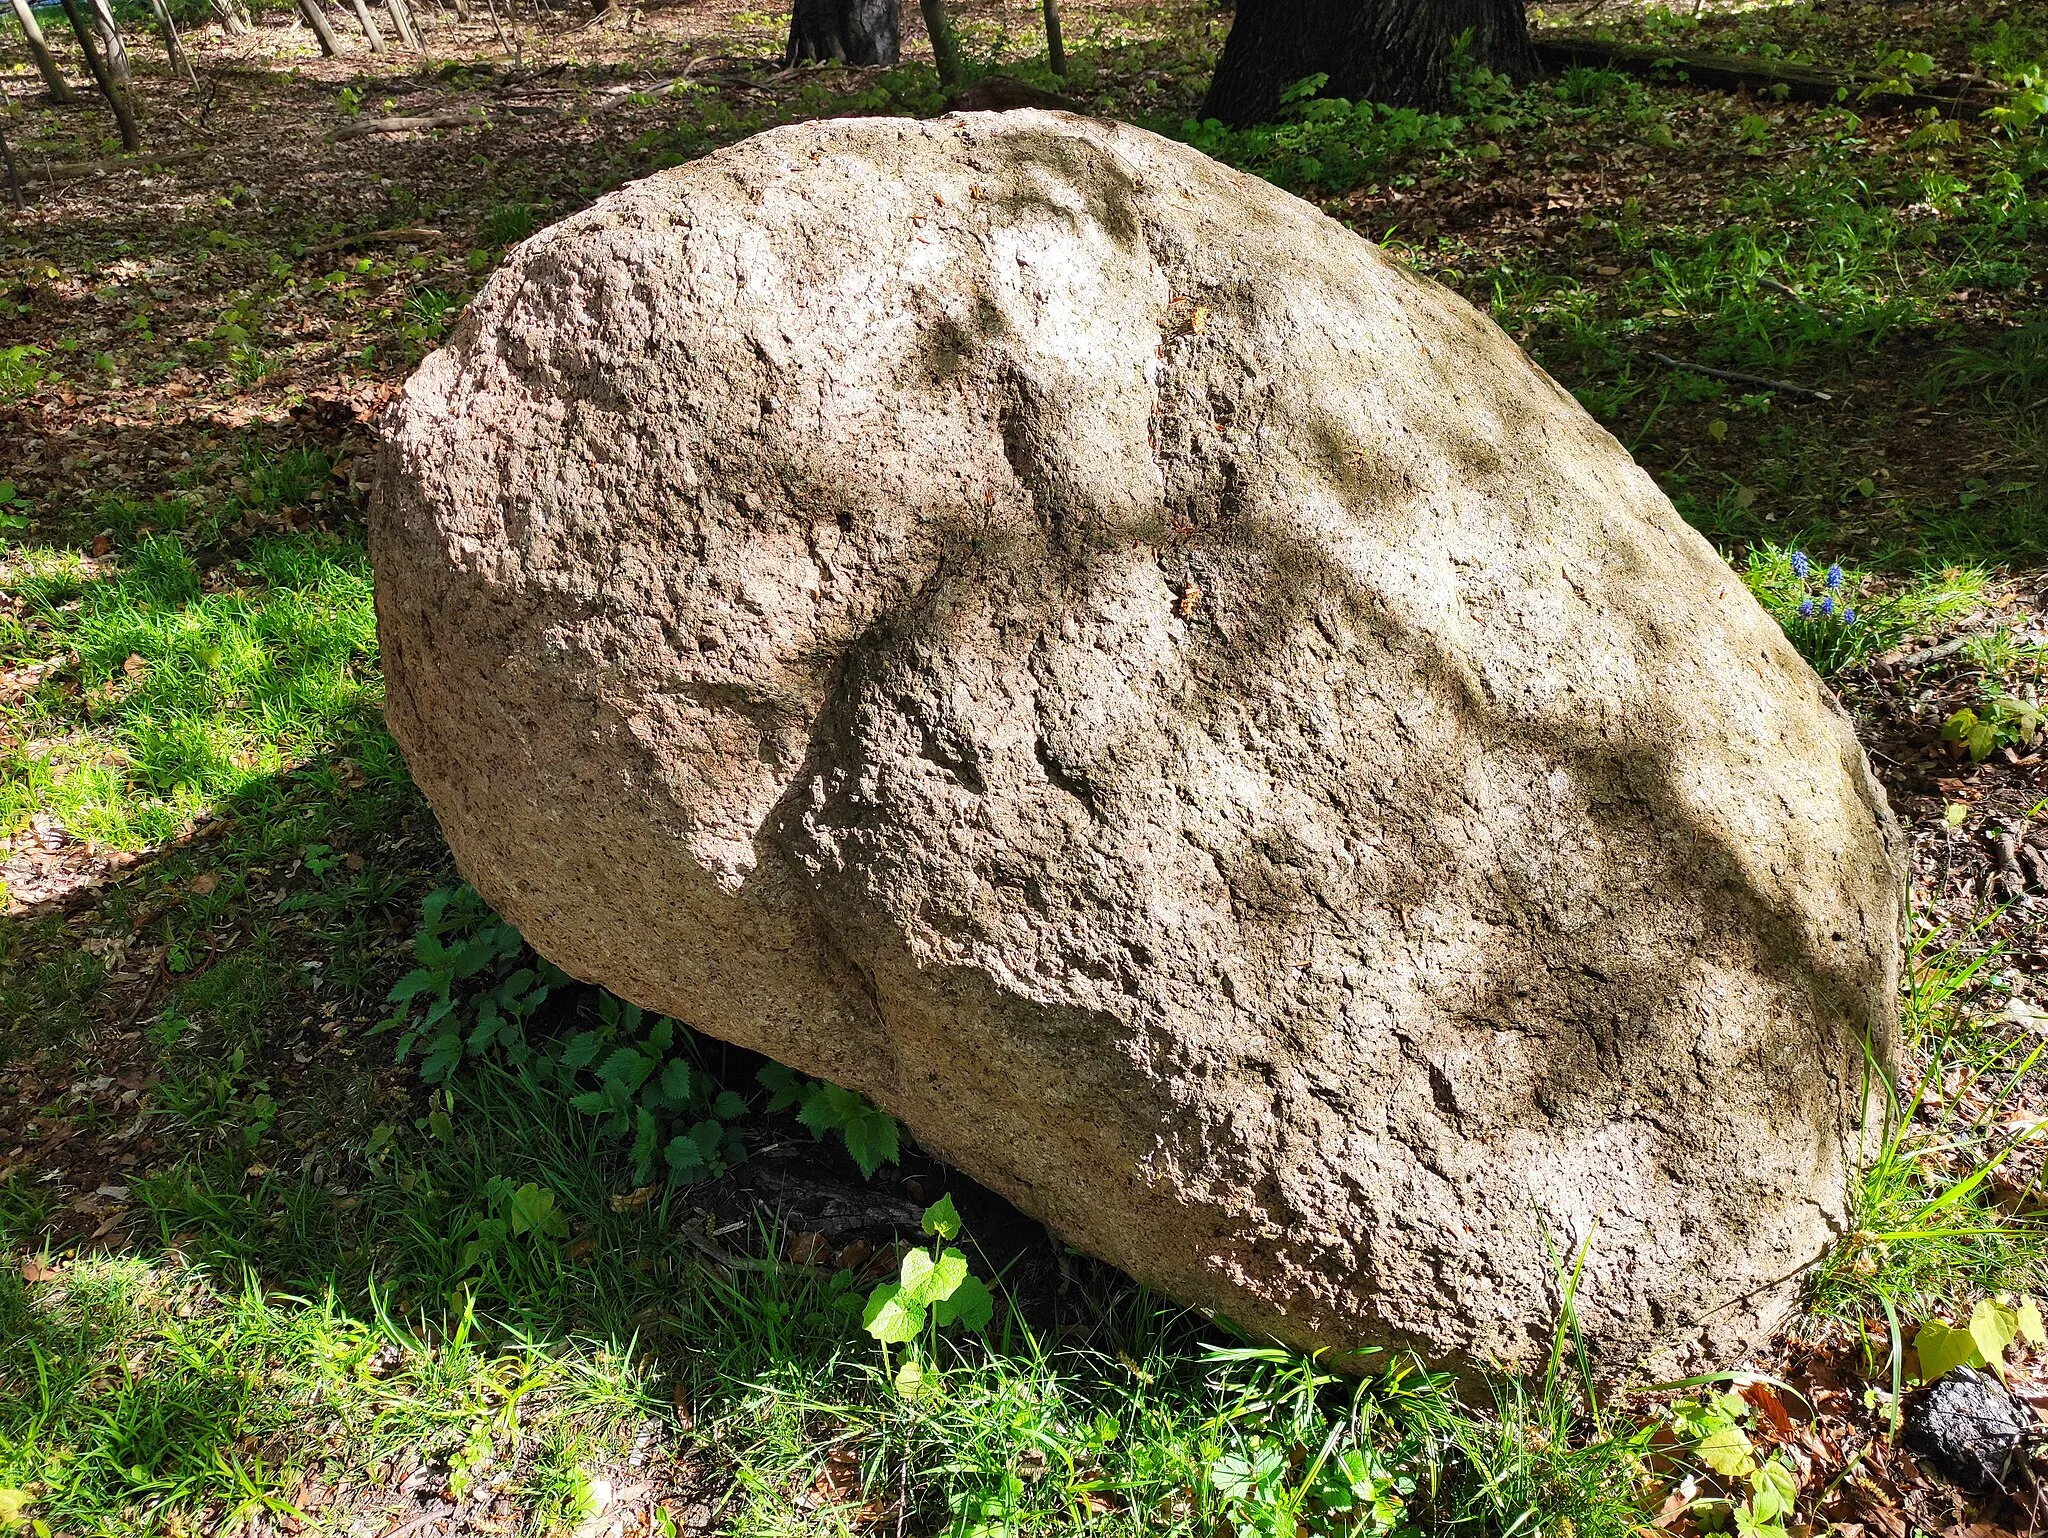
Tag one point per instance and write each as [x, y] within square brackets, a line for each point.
[932, 1291]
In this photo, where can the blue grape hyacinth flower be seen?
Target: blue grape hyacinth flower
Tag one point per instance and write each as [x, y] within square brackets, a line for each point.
[1835, 577]
[1827, 604]
[1806, 609]
[1848, 616]
[1802, 568]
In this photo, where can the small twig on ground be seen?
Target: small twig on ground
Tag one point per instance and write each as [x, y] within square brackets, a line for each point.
[718, 1256]
[371, 237]
[1735, 376]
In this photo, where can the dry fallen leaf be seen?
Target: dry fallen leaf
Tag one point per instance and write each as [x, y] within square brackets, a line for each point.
[205, 882]
[34, 1270]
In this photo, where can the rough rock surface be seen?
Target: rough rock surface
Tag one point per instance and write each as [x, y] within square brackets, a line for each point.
[1012, 616]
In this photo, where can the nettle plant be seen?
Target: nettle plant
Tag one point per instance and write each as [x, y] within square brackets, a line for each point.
[478, 992]
[870, 1135]
[649, 1092]
[933, 1291]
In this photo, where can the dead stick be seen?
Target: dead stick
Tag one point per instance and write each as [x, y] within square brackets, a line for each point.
[370, 237]
[1734, 376]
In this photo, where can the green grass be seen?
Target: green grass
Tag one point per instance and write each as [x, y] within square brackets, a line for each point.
[178, 688]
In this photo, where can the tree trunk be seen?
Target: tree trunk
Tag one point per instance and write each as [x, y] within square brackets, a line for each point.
[230, 23]
[401, 18]
[850, 31]
[174, 45]
[1393, 51]
[1055, 45]
[938, 26]
[110, 41]
[13, 171]
[316, 18]
[46, 62]
[369, 26]
[124, 115]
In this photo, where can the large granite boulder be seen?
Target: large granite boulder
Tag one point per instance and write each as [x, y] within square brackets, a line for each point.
[1009, 615]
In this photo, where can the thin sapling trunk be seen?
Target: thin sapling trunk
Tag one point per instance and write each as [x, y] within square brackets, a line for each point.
[39, 49]
[124, 114]
[1055, 45]
[316, 18]
[369, 26]
[110, 41]
[938, 25]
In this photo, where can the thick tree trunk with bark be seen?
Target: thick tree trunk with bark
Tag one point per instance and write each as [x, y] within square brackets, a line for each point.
[117, 99]
[1392, 51]
[230, 20]
[39, 50]
[850, 31]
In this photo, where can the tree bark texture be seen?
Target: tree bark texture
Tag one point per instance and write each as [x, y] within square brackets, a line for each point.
[230, 22]
[110, 42]
[849, 31]
[401, 18]
[316, 18]
[1392, 51]
[117, 99]
[369, 25]
[938, 26]
[174, 45]
[39, 50]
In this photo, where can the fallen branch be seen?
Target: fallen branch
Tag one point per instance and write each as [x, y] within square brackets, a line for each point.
[369, 238]
[1757, 76]
[1736, 376]
[67, 171]
[403, 125]
[1920, 658]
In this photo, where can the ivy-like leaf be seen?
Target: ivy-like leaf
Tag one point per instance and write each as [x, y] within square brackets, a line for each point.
[1992, 1328]
[1943, 1348]
[969, 1304]
[890, 1318]
[917, 1271]
[943, 1218]
[1727, 1452]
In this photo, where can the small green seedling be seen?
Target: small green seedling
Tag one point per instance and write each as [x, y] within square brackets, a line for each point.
[933, 1291]
[2006, 722]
